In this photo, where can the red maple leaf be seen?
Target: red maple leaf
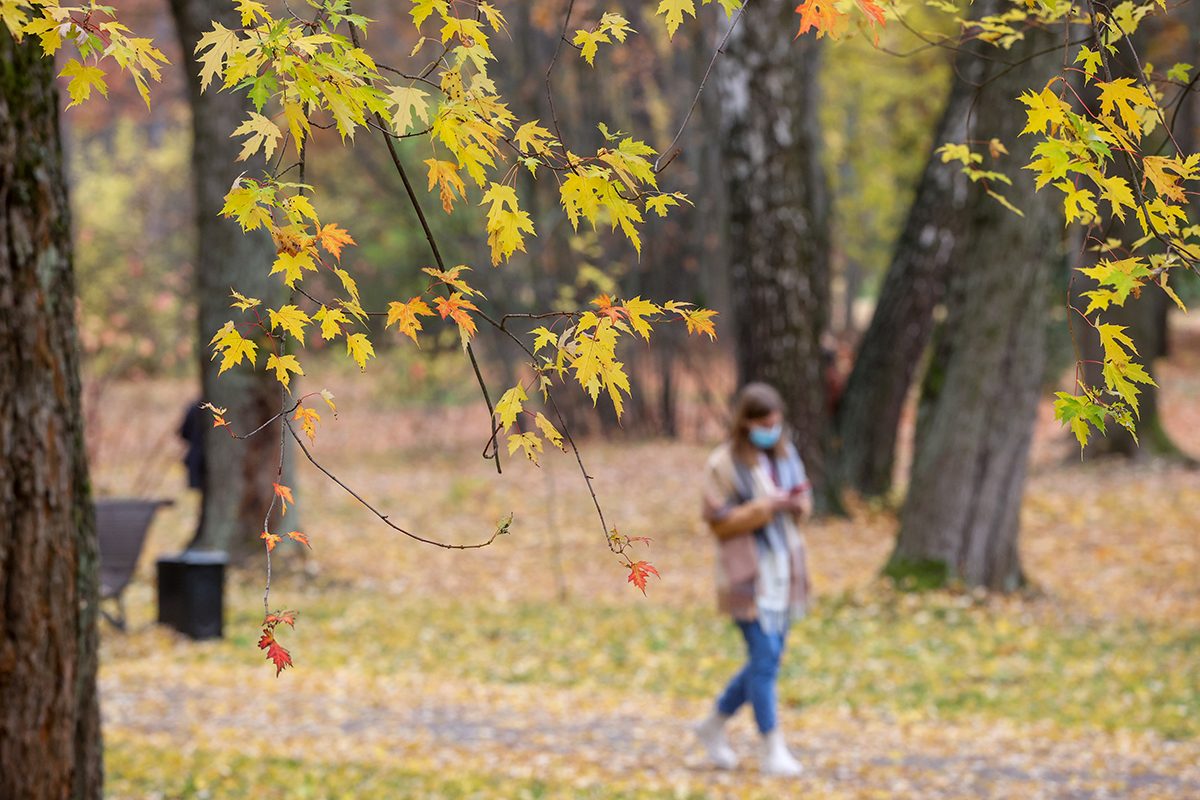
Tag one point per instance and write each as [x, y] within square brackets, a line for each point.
[288, 617]
[639, 571]
[275, 651]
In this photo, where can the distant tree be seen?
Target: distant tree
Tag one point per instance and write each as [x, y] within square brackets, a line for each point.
[778, 237]
[237, 486]
[868, 418]
[49, 563]
[979, 396]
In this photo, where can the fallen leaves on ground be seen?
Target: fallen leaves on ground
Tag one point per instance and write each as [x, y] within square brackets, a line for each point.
[421, 673]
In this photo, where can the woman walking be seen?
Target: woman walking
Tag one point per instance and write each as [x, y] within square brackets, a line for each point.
[755, 493]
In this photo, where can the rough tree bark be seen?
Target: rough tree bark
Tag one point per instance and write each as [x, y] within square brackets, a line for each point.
[49, 561]
[237, 485]
[863, 450]
[778, 239]
[980, 393]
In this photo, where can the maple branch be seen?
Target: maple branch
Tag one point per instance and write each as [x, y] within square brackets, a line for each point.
[586, 478]
[658, 166]
[562, 37]
[491, 412]
[377, 513]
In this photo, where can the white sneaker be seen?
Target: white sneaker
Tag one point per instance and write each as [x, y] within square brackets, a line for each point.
[711, 733]
[776, 760]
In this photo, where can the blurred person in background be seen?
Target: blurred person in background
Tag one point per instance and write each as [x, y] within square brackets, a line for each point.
[755, 494]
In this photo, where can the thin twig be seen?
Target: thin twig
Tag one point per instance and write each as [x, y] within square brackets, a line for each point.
[377, 513]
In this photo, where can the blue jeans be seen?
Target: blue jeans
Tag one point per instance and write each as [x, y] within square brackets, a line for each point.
[755, 684]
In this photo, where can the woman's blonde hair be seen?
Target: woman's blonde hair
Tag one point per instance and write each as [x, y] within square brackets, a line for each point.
[754, 401]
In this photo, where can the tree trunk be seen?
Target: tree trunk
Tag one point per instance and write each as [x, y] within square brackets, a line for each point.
[49, 557]
[980, 393]
[778, 215]
[237, 484]
[863, 453]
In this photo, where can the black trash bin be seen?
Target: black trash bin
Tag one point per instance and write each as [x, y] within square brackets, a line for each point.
[191, 592]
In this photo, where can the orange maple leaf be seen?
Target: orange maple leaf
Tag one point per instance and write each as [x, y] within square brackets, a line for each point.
[285, 496]
[288, 617]
[819, 15]
[607, 309]
[639, 571]
[456, 308]
[218, 415]
[271, 538]
[333, 239]
[275, 651]
[405, 314]
[297, 536]
[874, 14]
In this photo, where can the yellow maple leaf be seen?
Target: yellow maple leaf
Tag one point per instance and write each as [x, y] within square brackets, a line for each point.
[510, 405]
[262, 132]
[291, 319]
[549, 431]
[1120, 95]
[358, 346]
[292, 265]
[410, 105]
[217, 46]
[327, 396]
[1166, 185]
[505, 222]
[232, 347]
[528, 440]
[1045, 109]
[638, 309]
[83, 80]
[282, 366]
[674, 11]
[309, 419]
[444, 174]
[331, 320]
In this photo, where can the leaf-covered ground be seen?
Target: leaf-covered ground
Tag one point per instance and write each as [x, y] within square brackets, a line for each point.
[532, 669]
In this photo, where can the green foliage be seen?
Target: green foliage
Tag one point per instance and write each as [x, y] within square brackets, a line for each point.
[134, 313]
[877, 118]
[137, 769]
[921, 575]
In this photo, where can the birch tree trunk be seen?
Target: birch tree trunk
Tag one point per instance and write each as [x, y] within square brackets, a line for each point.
[778, 240]
[49, 557]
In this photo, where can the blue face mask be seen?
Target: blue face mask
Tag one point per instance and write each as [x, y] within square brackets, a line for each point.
[765, 438]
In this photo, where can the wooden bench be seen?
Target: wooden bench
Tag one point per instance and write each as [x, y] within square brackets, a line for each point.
[121, 526]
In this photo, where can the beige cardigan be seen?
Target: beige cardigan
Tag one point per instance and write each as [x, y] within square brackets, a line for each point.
[733, 523]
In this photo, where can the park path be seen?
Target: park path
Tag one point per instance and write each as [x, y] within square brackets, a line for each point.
[583, 736]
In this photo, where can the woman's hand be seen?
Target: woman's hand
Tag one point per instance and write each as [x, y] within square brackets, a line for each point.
[799, 503]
